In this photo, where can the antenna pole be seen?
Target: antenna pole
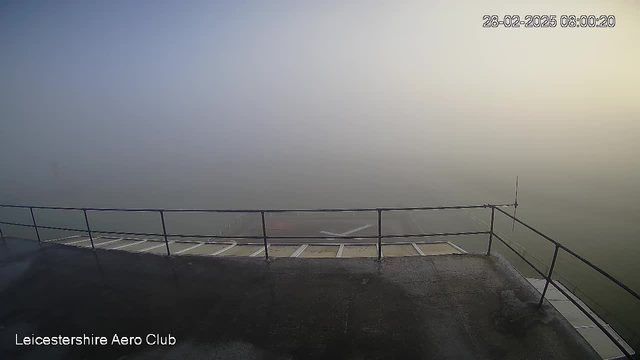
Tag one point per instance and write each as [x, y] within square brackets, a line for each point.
[516, 201]
[515, 207]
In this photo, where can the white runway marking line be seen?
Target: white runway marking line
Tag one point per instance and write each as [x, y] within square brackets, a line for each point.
[125, 245]
[227, 227]
[416, 222]
[63, 238]
[189, 248]
[299, 251]
[108, 242]
[223, 250]
[154, 247]
[356, 230]
[75, 242]
[417, 249]
[259, 251]
[340, 250]
[330, 233]
[347, 233]
[457, 247]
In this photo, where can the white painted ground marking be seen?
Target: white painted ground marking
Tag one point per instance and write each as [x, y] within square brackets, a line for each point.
[340, 250]
[457, 247]
[125, 245]
[108, 242]
[63, 238]
[347, 233]
[299, 251]
[259, 251]
[223, 250]
[154, 247]
[417, 249]
[228, 226]
[356, 230]
[75, 242]
[588, 326]
[189, 248]
[416, 222]
[330, 233]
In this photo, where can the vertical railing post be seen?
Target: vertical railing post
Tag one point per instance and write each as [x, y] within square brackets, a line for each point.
[264, 236]
[33, 217]
[164, 231]
[86, 220]
[546, 285]
[493, 212]
[379, 234]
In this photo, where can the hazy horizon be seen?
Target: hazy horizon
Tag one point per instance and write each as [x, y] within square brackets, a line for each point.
[221, 104]
[280, 104]
[113, 91]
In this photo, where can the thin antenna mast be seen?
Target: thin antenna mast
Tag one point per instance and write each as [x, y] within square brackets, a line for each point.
[515, 207]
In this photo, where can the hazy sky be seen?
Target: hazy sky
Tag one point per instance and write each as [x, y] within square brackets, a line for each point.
[299, 104]
[115, 88]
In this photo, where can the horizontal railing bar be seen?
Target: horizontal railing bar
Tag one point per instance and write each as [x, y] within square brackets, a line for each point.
[125, 233]
[61, 228]
[453, 207]
[39, 207]
[592, 318]
[80, 230]
[397, 236]
[604, 273]
[424, 235]
[291, 236]
[215, 236]
[16, 224]
[530, 228]
[520, 255]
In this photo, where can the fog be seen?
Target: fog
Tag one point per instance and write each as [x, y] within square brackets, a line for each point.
[220, 104]
[289, 104]
[284, 104]
[225, 99]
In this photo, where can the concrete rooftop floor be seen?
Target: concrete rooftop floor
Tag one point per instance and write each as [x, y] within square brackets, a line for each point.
[431, 307]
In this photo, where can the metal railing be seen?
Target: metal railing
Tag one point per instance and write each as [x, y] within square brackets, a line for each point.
[220, 234]
[265, 237]
[548, 277]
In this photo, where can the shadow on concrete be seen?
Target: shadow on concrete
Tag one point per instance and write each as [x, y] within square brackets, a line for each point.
[440, 307]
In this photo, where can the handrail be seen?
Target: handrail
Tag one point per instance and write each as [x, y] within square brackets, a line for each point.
[616, 281]
[265, 236]
[549, 279]
[452, 207]
[218, 236]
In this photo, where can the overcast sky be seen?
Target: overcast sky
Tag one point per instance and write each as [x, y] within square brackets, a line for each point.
[108, 87]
